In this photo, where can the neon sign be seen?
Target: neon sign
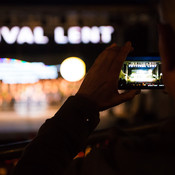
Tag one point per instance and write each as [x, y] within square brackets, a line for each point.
[75, 35]
[23, 35]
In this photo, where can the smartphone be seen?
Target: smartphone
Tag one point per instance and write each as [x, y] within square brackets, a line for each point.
[141, 72]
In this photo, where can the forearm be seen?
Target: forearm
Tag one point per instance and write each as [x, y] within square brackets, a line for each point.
[60, 138]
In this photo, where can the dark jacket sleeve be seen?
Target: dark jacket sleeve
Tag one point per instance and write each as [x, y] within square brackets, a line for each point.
[59, 139]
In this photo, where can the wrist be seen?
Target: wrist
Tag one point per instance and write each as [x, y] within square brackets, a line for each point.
[91, 104]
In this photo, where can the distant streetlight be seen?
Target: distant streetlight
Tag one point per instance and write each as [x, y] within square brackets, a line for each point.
[73, 69]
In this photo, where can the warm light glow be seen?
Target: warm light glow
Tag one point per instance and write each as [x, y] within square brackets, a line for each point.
[73, 69]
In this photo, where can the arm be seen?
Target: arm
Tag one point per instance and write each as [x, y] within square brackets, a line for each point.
[61, 137]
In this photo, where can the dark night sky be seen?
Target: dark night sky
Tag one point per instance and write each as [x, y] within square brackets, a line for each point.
[73, 2]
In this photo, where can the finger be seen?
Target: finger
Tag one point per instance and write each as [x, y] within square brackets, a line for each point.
[118, 62]
[128, 95]
[106, 58]
[120, 98]
[111, 46]
[125, 50]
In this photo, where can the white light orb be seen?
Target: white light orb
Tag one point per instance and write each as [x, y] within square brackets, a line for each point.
[73, 69]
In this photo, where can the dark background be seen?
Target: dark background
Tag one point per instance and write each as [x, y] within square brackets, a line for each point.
[75, 2]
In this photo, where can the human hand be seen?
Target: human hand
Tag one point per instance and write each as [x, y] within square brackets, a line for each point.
[101, 82]
[167, 54]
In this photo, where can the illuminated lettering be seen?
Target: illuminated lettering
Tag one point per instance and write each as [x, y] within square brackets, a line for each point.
[95, 35]
[77, 35]
[25, 36]
[8, 35]
[59, 36]
[39, 36]
[86, 34]
[106, 32]
[90, 35]
[74, 35]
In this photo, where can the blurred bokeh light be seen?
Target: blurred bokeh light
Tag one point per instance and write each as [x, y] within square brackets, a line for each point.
[73, 69]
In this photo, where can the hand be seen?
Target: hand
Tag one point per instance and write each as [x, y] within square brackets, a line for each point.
[101, 82]
[167, 54]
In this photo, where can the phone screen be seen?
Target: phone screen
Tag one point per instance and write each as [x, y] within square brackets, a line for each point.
[143, 72]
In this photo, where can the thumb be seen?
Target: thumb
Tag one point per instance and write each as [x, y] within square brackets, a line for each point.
[127, 95]
[120, 98]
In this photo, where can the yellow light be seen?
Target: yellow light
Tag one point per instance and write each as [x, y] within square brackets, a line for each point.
[73, 69]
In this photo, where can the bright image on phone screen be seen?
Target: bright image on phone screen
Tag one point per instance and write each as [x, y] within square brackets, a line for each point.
[141, 72]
